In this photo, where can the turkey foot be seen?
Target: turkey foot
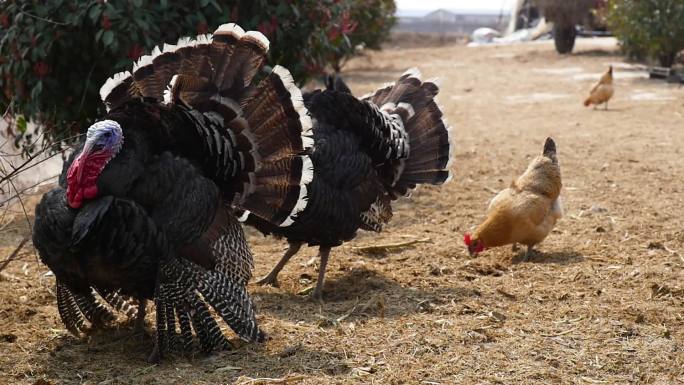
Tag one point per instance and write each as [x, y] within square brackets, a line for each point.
[272, 277]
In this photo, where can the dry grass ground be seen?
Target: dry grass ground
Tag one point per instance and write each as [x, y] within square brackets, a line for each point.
[603, 303]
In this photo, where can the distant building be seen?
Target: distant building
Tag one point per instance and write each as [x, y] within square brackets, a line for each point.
[444, 21]
[443, 16]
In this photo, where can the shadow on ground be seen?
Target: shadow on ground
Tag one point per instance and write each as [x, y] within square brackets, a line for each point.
[596, 53]
[558, 258]
[362, 294]
[95, 359]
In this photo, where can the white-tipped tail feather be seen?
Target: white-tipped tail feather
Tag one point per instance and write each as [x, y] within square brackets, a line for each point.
[244, 216]
[258, 38]
[412, 73]
[303, 200]
[168, 93]
[112, 82]
[230, 29]
[452, 145]
[409, 109]
[155, 52]
[297, 103]
[203, 39]
[143, 61]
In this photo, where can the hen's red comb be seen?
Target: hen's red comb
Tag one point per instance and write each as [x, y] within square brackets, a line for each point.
[466, 239]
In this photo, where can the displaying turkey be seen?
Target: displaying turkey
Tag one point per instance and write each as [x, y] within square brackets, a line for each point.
[368, 152]
[145, 205]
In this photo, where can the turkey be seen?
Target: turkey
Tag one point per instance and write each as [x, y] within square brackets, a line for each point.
[368, 152]
[145, 205]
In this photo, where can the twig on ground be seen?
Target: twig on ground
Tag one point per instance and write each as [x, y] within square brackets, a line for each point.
[389, 246]
[271, 381]
[560, 333]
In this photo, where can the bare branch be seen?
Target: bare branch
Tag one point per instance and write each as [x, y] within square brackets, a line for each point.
[28, 188]
[25, 165]
[23, 207]
[43, 19]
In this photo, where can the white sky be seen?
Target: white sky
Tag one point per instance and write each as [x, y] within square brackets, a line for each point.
[411, 6]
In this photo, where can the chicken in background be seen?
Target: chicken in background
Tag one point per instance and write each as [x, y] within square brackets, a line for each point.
[525, 212]
[602, 91]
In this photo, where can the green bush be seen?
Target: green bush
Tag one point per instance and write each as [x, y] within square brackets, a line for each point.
[55, 54]
[366, 24]
[652, 28]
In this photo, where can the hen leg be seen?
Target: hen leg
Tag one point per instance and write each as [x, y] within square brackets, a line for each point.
[605, 107]
[529, 253]
[317, 294]
[272, 277]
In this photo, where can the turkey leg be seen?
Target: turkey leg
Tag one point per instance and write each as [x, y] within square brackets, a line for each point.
[272, 277]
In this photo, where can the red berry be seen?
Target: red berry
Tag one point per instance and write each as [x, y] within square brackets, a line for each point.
[106, 24]
[4, 20]
[135, 52]
[202, 28]
[41, 69]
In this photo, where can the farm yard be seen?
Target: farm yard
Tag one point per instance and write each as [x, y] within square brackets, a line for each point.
[602, 301]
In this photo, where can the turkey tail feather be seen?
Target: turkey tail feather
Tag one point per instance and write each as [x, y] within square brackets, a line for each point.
[257, 135]
[68, 310]
[118, 302]
[428, 133]
[233, 303]
[281, 127]
[93, 310]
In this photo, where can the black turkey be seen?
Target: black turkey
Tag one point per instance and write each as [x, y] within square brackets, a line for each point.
[145, 205]
[368, 152]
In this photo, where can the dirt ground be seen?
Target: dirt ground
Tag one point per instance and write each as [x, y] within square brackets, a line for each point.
[602, 303]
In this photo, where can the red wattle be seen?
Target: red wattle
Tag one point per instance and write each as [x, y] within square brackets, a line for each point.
[82, 177]
[90, 192]
[466, 239]
[74, 195]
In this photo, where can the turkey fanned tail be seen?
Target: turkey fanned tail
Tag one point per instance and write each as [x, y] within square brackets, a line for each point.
[429, 136]
[255, 135]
